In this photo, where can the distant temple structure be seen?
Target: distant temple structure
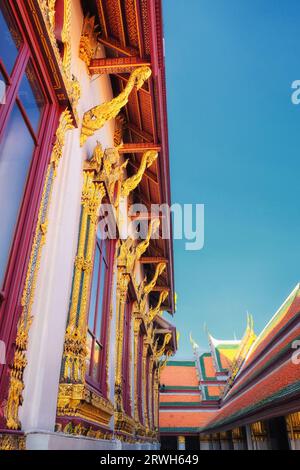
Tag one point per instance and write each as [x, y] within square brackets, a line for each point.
[240, 394]
[83, 137]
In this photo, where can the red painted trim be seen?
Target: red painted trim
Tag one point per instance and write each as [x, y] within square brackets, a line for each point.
[159, 80]
[106, 319]
[126, 363]
[75, 421]
[140, 376]
[10, 309]
[147, 385]
[153, 401]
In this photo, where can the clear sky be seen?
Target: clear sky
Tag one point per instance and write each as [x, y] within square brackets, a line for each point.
[235, 147]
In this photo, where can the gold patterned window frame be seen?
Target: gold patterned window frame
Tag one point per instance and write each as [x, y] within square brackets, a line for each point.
[16, 384]
[75, 397]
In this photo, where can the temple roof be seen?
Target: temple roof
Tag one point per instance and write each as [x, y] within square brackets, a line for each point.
[180, 374]
[268, 380]
[242, 380]
[223, 352]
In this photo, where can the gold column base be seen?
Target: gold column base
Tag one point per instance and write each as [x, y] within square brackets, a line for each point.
[12, 442]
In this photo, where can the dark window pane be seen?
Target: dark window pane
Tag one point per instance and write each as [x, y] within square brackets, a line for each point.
[89, 351]
[2, 89]
[101, 299]
[15, 156]
[96, 361]
[10, 39]
[93, 297]
[31, 97]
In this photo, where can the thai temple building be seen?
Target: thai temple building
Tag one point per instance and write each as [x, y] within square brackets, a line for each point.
[83, 132]
[239, 394]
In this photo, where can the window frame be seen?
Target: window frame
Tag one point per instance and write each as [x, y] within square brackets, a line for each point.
[126, 364]
[100, 385]
[140, 376]
[18, 257]
[25, 56]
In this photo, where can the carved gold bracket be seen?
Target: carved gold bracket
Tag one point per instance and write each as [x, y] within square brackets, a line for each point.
[132, 182]
[160, 267]
[96, 117]
[157, 309]
[88, 40]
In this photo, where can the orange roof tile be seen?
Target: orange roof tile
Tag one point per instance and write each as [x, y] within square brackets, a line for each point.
[179, 375]
[165, 398]
[178, 419]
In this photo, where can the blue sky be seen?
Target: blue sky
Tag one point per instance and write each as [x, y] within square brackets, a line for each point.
[234, 146]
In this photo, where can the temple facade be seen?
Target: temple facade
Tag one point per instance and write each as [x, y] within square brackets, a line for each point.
[83, 137]
[240, 394]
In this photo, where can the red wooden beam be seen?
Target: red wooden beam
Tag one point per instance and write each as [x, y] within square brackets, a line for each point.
[139, 132]
[139, 147]
[116, 65]
[117, 47]
[153, 260]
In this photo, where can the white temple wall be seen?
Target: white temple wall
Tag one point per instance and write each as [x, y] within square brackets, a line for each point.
[61, 441]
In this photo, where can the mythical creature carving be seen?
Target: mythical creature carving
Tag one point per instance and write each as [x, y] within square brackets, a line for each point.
[96, 160]
[159, 270]
[156, 310]
[130, 253]
[112, 173]
[96, 117]
[142, 246]
[88, 40]
[133, 181]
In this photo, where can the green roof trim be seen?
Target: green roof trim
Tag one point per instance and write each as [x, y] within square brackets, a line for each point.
[195, 430]
[180, 404]
[180, 387]
[181, 363]
[283, 393]
[228, 346]
[271, 361]
[202, 367]
[224, 346]
[208, 396]
[286, 325]
[280, 313]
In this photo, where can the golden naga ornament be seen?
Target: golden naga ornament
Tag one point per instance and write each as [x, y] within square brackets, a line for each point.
[95, 118]
[129, 253]
[156, 310]
[131, 183]
[96, 160]
[88, 40]
[159, 270]
[112, 173]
